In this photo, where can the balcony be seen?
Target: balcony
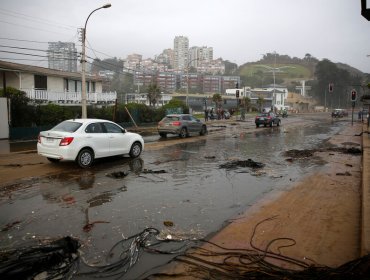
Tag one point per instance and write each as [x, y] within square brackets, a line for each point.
[71, 98]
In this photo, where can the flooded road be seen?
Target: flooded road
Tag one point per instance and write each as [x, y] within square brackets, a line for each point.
[181, 190]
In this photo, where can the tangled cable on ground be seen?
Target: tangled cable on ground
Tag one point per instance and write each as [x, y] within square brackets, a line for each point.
[62, 259]
[125, 253]
[228, 263]
[57, 258]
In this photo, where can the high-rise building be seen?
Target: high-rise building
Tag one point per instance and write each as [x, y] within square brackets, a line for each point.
[62, 56]
[181, 52]
[197, 55]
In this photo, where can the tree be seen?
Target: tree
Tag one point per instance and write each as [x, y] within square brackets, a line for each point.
[154, 94]
[121, 82]
[246, 102]
[217, 98]
[111, 64]
[328, 72]
[260, 102]
[21, 113]
[230, 67]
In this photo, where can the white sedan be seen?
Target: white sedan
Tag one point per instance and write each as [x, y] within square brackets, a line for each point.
[83, 140]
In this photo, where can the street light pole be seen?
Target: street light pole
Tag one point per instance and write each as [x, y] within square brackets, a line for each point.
[273, 70]
[187, 80]
[83, 61]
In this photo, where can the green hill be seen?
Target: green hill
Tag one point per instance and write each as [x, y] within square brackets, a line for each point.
[286, 72]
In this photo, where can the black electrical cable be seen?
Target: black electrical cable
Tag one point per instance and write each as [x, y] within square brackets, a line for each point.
[57, 258]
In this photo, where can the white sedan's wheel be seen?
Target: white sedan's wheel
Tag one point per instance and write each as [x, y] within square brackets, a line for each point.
[85, 158]
[135, 150]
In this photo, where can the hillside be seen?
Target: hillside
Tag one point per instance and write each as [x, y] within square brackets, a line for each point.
[257, 74]
[290, 71]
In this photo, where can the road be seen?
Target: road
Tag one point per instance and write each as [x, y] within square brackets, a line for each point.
[177, 186]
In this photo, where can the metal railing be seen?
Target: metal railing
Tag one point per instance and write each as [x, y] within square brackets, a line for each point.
[69, 97]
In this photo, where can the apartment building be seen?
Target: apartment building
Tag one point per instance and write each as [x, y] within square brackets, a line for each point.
[62, 56]
[166, 57]
[132, 62]
[199, 55]
[181, 52]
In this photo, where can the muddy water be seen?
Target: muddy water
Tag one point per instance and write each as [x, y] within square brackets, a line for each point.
[181, 184]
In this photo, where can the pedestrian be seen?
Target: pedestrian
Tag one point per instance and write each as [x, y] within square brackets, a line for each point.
[206, 115]
[359, 115]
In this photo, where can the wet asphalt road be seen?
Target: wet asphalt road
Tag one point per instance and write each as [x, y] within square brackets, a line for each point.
[181, 184]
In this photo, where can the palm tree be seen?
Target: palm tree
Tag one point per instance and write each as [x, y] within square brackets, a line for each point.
[217, 98]
[154, 94]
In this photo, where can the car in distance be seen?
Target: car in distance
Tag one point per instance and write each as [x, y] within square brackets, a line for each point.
[339, 113]
[267, 119]
[84, 140]
[183, 125]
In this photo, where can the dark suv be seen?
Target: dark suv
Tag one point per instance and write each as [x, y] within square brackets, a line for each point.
[182, 125]
[339, 113]
[267, 119]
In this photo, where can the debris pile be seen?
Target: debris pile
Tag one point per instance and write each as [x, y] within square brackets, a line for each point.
[299, 153]
[242, 163]
[117, 174]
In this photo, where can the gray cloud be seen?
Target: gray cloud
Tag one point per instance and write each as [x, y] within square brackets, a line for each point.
[238, 30]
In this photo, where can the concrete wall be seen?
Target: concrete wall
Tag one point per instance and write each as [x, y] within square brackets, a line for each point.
[27, 81]
[55, 84]
[4, 125]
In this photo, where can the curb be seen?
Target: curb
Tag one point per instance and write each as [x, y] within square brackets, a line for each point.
[365, 207]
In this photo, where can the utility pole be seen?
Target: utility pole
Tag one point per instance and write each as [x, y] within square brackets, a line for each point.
[83, 61]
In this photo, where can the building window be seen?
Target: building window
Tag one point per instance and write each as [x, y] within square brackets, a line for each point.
[66, 85]
[41, 82]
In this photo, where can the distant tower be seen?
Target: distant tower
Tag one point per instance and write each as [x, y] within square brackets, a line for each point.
[181, 52]
[62, 56]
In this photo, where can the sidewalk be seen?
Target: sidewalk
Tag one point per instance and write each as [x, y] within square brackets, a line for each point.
[365, 234]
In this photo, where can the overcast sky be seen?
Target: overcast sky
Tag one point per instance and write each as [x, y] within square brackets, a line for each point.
[238, 30]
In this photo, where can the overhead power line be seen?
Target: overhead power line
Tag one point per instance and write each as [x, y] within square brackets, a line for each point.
[39, 50]
[34, 28]
[20, 40]
[30, 54]
[35, 19]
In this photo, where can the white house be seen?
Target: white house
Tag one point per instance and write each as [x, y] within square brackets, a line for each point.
[142, 98]
[274, 96]
[49, 85]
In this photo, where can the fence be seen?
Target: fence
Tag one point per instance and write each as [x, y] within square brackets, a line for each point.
[70, 97]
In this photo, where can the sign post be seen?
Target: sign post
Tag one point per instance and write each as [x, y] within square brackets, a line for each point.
[353, 100]
[331, 89]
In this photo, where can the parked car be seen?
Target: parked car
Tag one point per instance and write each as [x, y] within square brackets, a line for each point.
[267, 119]
[182, 125]
[84, 140]
[339, 113]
